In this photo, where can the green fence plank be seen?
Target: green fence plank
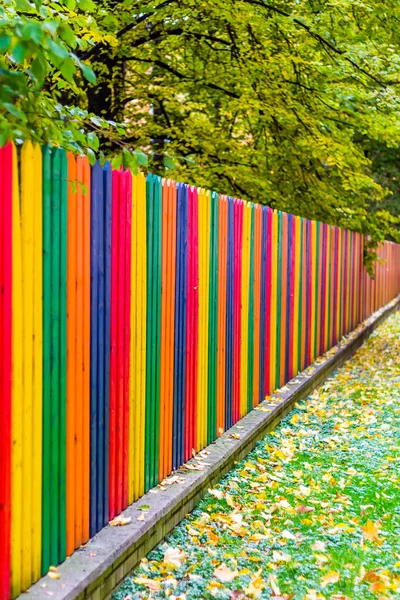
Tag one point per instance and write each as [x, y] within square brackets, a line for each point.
[213, 322]
[46, 462]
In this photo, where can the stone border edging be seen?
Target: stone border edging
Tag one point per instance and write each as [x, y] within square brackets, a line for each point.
[93, 572]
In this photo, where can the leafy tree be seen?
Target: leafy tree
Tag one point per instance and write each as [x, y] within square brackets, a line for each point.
[290, 103]
[264, 100]
[42, 75]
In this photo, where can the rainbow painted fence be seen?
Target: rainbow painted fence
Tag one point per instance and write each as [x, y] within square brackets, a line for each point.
[141, 318]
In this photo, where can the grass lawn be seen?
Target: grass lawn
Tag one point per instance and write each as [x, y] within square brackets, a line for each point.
[312, 512]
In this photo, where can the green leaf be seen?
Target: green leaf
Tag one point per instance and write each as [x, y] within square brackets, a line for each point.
[23, 5]
[70, 4]
[88, 73]
[168, 162]
[116, 162]
[5, 41]
[96, 121]
[33, 32]
[141, 158]
[4, 135]
[65, 32]
[57, 49]
[126, 158]
[39, 68]
[87, 5]
[51, 27]
[68, 69]
[13, 110]
[20, 52]
[94, 140]
[91, 155]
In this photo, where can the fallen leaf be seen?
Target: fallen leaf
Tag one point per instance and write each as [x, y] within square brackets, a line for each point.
[280, 556]
[371, 531]
[331, 577]
[223, 573]
[53, 575]
[119, 521]
[229, 500]
[288, 535]
[304, 509]
[217, 493]
[153, 586]
[173, 558]
[377, 587]
[371, 576]
[319, 546]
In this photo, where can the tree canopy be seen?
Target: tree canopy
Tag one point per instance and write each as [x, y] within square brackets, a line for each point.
[294, 104]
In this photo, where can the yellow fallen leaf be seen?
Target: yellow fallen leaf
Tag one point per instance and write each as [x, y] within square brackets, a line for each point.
[229, 500]
[321, 558]
[173, 558]
[377, 587]
[153, 586]
[140, 517]
[223, 573]
[331, 577]
[53, 575]
[54, 569]
[119, 521]
[371, 531]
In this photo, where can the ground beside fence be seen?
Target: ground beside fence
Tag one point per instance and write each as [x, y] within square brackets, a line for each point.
[312, 512]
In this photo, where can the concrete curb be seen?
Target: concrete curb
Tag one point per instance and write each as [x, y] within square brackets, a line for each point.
[93, 572]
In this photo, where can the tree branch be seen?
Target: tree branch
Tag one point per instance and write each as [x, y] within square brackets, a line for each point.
[326, 43]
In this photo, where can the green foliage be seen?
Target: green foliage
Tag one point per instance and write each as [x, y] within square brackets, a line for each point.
[41, 73]
[269, 101]
[293, 104]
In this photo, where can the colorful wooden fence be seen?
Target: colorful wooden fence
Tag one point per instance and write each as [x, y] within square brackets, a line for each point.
[141, 318]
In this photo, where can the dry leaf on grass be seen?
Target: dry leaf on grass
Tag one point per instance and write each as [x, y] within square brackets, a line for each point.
[153, 586]
[331, 577]
[223, 573]
[371, 531]
[173, 558]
